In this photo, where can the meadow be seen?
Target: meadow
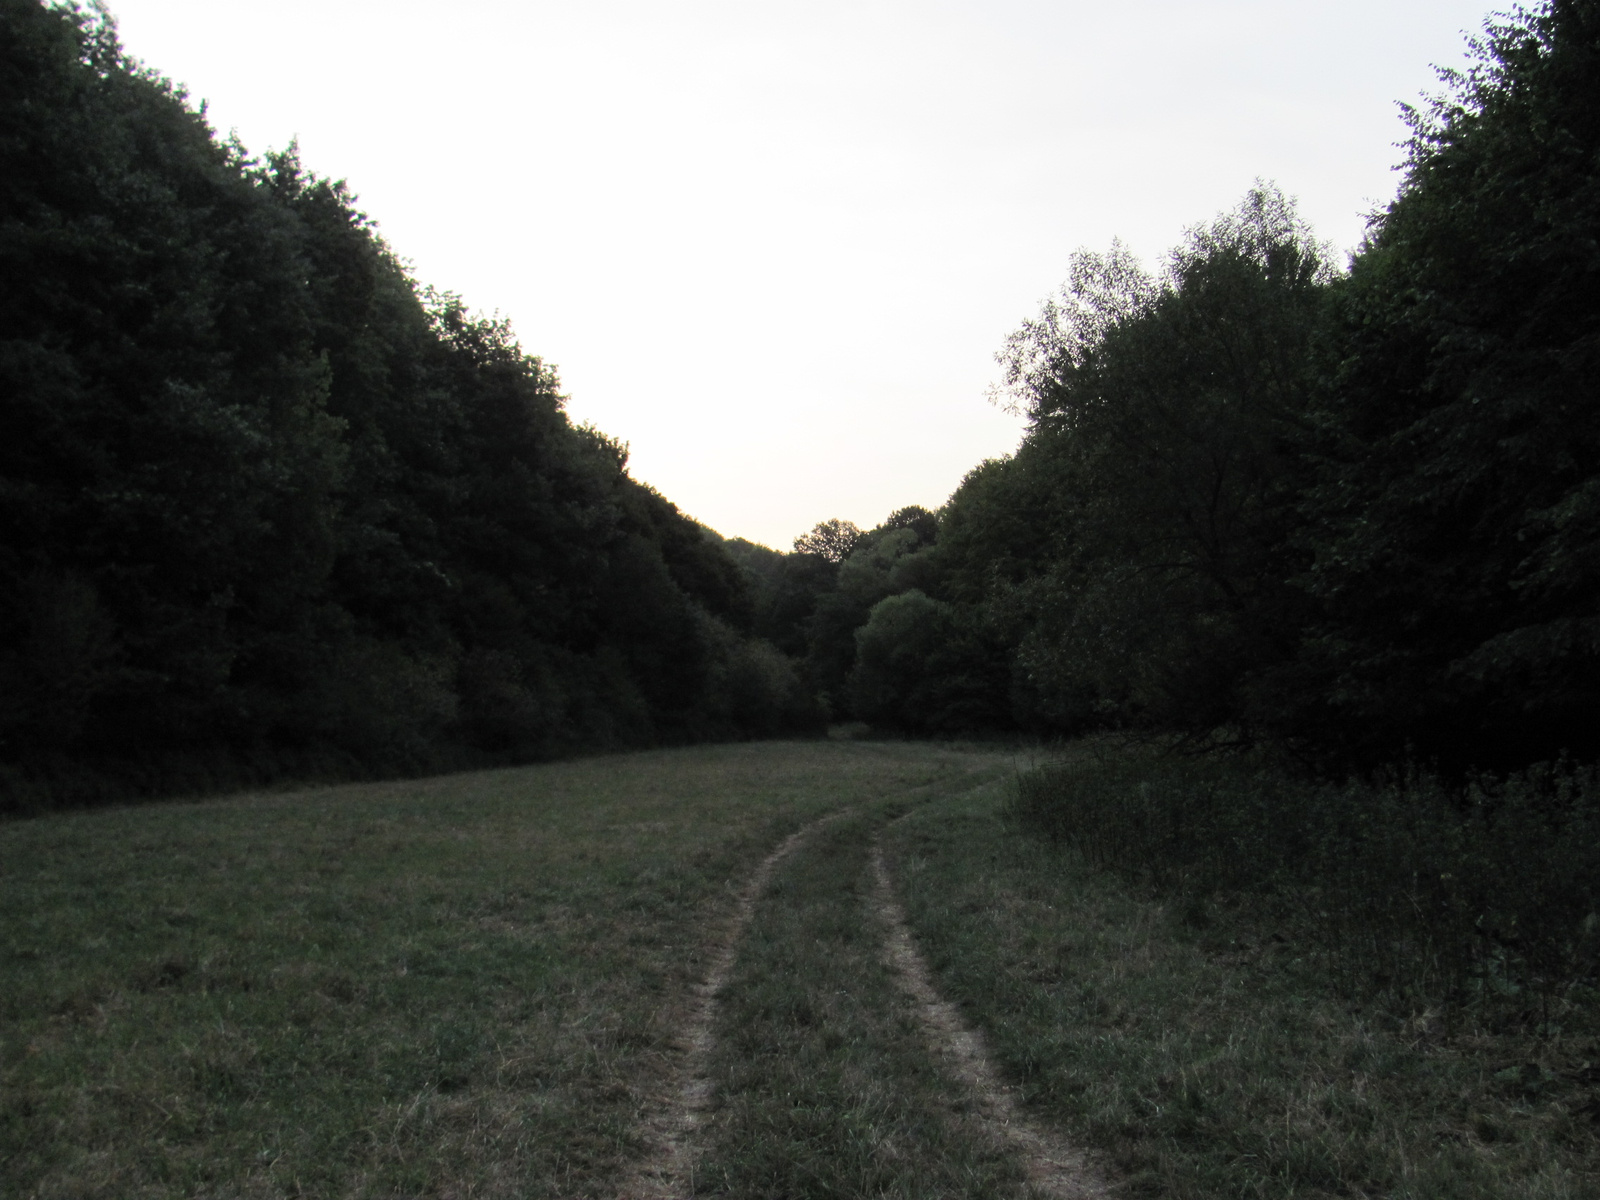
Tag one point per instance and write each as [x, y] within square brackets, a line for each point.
[476, 986]
[1218, 1052]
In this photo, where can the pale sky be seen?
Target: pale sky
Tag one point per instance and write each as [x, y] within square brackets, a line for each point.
[774, 244]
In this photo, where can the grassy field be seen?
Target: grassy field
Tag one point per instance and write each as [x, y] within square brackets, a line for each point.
[825, 1083]
[453, 987]
[474, 986]
[1204, 1061]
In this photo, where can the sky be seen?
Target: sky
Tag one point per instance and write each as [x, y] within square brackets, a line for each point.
[774, 245]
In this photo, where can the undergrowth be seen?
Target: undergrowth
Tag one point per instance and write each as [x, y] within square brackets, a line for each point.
[1201, 1048]
[1477, 903]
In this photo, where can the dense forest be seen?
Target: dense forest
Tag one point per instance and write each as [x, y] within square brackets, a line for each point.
[1349, 513]
[269, 508]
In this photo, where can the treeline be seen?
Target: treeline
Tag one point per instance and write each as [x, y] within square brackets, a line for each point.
[1352, 514]
[267, 507]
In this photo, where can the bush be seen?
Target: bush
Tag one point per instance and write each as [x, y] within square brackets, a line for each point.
[755, 690]
[922, 666]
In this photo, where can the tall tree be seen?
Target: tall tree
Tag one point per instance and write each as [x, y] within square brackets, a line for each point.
[1457, 517]
[165, 450]
[265, 502]
[831, 540]
[1160, 459]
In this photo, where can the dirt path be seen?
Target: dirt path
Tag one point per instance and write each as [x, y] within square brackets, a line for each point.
[1054, 1168]
[668, 1173]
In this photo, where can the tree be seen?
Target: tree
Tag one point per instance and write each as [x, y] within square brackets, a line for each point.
[166, 454]
[831, 541]
[1456, 515]
[1159, 470]
[894, 557]
[264, 502]
[917, 519]
[921, 667]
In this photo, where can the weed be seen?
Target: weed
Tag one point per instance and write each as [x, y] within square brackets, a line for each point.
[1217, 1061]
[1479, 903]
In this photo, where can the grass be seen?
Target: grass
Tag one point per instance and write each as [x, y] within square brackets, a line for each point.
[1480, 901]
[1206, 1062]
[457, 986]
[824, 1084]
[471, 987]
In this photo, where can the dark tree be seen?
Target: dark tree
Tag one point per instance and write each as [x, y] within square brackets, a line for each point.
[831, 541]
[917, 519]
[1138, 544]
[268, 507]
[1456, 523]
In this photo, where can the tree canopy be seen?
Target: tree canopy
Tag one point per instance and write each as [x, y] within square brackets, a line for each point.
[1262, 500]
[1455, 517]
[267, 505]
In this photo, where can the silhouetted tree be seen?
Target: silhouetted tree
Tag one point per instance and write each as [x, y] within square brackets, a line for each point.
[831, 541]
[266, 506]
[1153, 501]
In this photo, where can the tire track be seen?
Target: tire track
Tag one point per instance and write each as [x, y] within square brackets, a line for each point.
[668, 1174]
[1054, 1168]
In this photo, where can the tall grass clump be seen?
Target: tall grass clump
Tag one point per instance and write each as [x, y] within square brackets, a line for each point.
[1481, 898]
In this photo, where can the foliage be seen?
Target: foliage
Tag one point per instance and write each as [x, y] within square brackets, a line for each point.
[831, 540]
[1352, 517]
[1454, 521]
[784, 590]
[921, 522]
[1131, 563]
[265, 503]
[1475, 902]
[887, 560]
[1135, 545]
[922, 666]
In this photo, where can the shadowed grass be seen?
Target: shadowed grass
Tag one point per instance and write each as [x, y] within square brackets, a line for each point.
[473, 986]
[1201, 1067]
[825, 1084]
[462, 986]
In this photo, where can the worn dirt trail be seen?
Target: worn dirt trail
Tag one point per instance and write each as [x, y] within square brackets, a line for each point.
[668, 1173]
[1054, 1168]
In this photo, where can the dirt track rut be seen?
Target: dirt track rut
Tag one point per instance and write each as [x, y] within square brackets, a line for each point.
[668, 1173]
[1053, 1168]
